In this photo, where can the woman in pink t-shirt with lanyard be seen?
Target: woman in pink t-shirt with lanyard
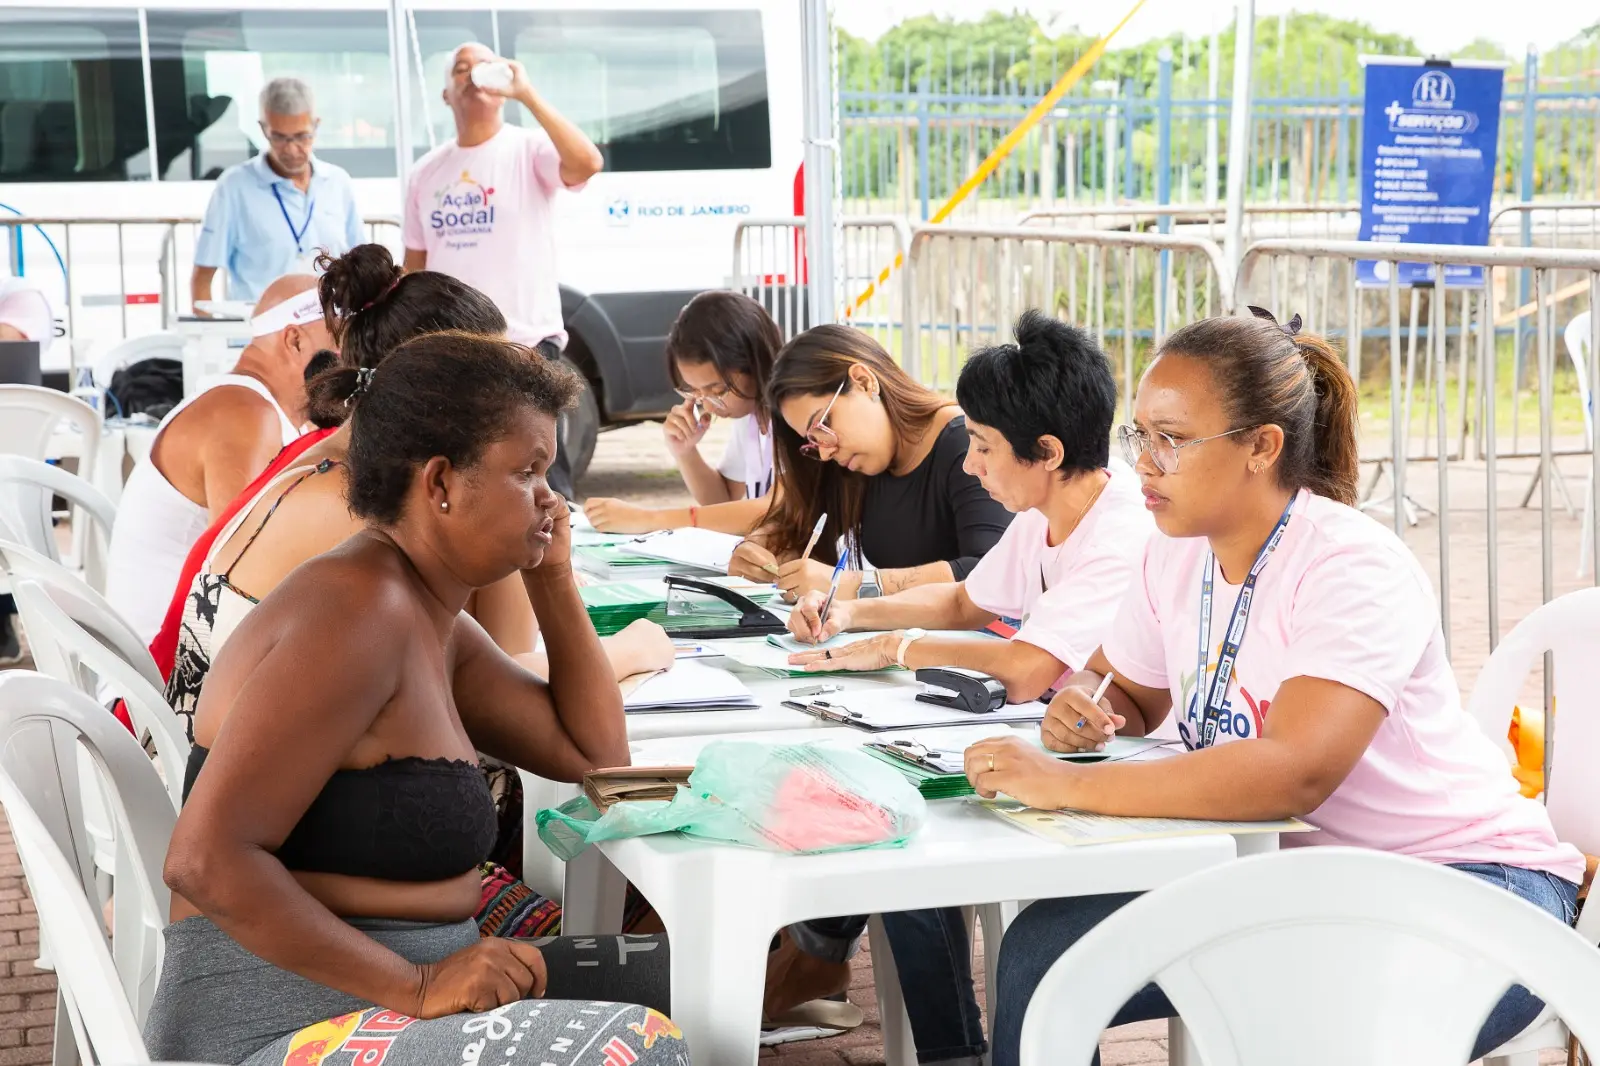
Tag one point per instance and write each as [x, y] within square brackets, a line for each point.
[1245, 443]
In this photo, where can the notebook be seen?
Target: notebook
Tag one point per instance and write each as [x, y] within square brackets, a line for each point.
[690, 685]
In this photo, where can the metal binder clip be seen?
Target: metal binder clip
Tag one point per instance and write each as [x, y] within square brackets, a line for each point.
[814, 690]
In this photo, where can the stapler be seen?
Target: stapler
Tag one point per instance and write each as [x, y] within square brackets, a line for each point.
[967, 690]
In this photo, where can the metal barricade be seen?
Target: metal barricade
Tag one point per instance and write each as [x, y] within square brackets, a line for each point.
[964, 287]
[769, 258]
[1321, 220]
[1295, 275]
[108, 266]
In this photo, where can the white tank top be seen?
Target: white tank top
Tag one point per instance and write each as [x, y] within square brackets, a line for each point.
[157, 525]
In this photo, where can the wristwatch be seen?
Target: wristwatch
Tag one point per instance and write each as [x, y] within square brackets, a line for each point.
[870, 588]
[906, 640]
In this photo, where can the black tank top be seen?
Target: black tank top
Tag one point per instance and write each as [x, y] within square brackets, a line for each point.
[407, 819]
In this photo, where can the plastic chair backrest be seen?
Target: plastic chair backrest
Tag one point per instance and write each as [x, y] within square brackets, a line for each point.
[134, 350]
[84, 606]
[29, 416]
[26, 488]
[74, 649]
[48, 732]
[1317, 956]
[1568, 626]
[91, 998]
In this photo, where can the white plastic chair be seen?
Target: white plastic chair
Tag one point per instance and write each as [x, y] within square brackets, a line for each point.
[29, 415]
[90, 1001]
[1576, 336]
[44, 726]
[1569, 627]
[134, 350]
[1317, 956]
[83, 605]
[26, 488]
[70, 647]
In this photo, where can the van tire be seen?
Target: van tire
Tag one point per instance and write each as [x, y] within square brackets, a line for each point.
[580, 426]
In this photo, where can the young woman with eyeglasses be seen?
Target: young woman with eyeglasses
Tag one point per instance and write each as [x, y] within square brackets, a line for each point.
[1269, 609]
[720, 355]
[859, 440]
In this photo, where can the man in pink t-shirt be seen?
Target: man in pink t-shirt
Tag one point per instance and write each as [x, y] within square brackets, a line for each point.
[481, 208]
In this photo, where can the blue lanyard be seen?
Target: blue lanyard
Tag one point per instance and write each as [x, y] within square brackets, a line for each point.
[1217, 694]
[311, 205]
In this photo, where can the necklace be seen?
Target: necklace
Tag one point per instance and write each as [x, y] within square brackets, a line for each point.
[1044, 583]
[1076, 522]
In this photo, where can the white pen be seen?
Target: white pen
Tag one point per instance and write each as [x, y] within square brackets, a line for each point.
[816, 535]
[1105, 683]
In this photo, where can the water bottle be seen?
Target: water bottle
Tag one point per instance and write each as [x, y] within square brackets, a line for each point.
[495, 75]
[86, 390]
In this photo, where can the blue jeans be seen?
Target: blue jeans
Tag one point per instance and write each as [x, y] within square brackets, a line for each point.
[1049, 927]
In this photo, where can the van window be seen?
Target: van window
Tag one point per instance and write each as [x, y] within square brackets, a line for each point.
[207, 69]
[71, 96]
[434, 36]
[667, 90]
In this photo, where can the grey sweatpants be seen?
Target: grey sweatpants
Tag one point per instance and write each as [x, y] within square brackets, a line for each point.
[218, 1003]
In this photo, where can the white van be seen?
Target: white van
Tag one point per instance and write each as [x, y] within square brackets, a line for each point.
[124, 110]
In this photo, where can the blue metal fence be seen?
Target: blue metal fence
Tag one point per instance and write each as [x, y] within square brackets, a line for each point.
[916, 123]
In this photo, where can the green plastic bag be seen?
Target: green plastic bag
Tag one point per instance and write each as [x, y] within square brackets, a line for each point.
[798, 798]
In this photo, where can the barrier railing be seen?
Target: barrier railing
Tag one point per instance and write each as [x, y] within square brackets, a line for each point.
[769, 267]
[110, 267]
[964, 286]
[1283, 273]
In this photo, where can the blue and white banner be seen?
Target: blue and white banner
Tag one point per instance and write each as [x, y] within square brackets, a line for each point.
[1428, 143]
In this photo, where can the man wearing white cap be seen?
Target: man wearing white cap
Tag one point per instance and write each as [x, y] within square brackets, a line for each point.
[210, 447]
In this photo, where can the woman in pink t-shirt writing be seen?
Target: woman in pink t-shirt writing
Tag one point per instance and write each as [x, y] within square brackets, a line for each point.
[1245, 443]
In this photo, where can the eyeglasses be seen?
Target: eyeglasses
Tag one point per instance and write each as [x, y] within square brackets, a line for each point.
[284, 140]
[1162, 448]
[717, 399]
[820, 435]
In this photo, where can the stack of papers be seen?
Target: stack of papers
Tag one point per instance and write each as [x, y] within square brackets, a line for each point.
[690, 547]
[612, 607]
[689, 686]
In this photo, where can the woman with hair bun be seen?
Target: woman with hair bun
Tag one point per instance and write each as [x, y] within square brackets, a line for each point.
[372, 307]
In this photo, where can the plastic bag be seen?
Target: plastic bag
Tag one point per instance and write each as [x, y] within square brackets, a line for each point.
[798, 798]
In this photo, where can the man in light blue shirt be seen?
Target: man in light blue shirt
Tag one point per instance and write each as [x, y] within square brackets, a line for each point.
[272, 215]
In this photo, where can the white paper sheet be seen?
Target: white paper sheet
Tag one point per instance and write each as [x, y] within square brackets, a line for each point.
[689, 686]
[692, 547]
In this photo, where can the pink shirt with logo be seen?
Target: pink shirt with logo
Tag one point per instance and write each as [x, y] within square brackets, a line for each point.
[485, 215]
[1343, 599]
[1067, 595]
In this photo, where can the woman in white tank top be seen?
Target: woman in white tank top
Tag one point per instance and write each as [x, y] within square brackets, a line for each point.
[157, 524]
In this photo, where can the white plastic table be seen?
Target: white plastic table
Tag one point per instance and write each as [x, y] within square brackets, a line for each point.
[721, 904]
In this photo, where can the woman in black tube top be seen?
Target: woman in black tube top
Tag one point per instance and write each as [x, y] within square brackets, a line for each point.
[325, 866]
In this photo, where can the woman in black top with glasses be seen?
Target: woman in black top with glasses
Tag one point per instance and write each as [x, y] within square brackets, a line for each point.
[859, 440]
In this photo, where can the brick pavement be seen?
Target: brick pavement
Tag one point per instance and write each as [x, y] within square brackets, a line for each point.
[632, 463]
